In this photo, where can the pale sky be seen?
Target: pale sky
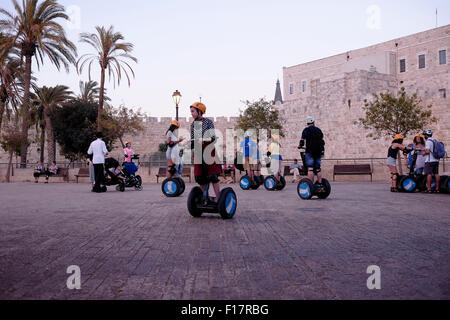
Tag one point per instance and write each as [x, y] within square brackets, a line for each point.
[229, 51]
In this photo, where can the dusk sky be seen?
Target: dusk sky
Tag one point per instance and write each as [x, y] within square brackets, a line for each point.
[229, 51]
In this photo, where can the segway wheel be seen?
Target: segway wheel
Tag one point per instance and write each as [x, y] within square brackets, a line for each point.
[408, 184]
[280, 186]
[421, 182]
[245, 183]
[227, 203]
[444, 184]
[326, 189]
[255, 185]
[270, 183]
[182, 186]
[170, 187]
[194, 199]
[399, 185]
[305, 189]
[139, 179]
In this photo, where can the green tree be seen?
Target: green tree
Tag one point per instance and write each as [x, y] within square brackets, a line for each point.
[260, 115]
[49, 98]
[10, 141]
[74, 125]
[35, 28]
[10, 77]
[89, 92]
[390, 114]
[111, 54]
[124, 121]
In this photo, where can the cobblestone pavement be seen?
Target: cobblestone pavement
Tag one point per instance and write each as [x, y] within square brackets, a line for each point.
[142, 245]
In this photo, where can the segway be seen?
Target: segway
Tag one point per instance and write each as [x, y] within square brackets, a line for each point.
[175, 186]
[246, 182]
[271, 183]
[306, 189]
[200, 202]
[408, 183]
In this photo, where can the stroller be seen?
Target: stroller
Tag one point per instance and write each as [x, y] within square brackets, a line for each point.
[112, 178]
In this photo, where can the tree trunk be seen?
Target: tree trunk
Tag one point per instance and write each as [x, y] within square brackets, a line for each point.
[25, 112]
[101, 98]
[50, 137]
[8, 171]
[42, 143]
[2, 110]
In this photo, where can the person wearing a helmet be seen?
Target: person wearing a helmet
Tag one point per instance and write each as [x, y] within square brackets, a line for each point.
[431, 163]
[173, 151]
[314, 148]
[391, 162]
[206, 168]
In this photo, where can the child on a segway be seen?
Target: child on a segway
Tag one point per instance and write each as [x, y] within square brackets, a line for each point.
[206, 168]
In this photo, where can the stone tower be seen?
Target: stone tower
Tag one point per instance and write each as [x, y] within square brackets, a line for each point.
[278, 98]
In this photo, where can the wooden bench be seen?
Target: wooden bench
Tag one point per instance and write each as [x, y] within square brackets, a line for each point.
[352, 169]
[82, 173]
[162, 172]
[61, 173]
[287, 171]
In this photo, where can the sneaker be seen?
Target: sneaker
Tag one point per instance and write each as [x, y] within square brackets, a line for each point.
[394, 189]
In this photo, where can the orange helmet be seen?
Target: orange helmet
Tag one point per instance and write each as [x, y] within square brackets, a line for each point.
[176, 123]
[199, 106]
[398, 137]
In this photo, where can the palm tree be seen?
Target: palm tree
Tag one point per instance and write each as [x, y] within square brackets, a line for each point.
[89, 92]
[111, 54]
[35, 29]
[10, 77]
[48, 99]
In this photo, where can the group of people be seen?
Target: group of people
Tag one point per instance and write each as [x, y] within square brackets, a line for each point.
[209, 171]
[426, 163]
[44, 170]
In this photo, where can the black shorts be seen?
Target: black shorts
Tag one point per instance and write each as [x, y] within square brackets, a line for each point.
[431, 168]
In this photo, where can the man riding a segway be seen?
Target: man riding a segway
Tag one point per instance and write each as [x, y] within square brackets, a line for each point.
[315, 148]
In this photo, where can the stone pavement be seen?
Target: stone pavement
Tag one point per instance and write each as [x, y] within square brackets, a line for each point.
[142, 245]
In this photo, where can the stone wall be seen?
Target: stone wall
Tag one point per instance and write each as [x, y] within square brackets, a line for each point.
[335, 94]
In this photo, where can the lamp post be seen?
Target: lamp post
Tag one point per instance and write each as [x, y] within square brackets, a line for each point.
[176, 98]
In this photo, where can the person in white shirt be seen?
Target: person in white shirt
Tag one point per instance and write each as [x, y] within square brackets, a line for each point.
[98, 150]
[173, 151]
[431, 163]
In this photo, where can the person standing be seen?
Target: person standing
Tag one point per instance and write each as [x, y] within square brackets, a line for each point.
[173, 151]
[391, 161]
[98, 150]
[315, 148]
[431, 163]
[206, 168]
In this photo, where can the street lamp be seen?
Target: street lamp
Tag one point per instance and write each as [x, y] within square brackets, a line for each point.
[176, 98]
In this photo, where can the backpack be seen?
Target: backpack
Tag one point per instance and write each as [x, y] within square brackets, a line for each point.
[438, 149]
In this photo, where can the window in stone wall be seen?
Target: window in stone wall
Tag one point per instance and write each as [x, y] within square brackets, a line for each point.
[442, 57]
[291, 88]
[421, 61]
[304, 86]
[403, 65]
[443, 93]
